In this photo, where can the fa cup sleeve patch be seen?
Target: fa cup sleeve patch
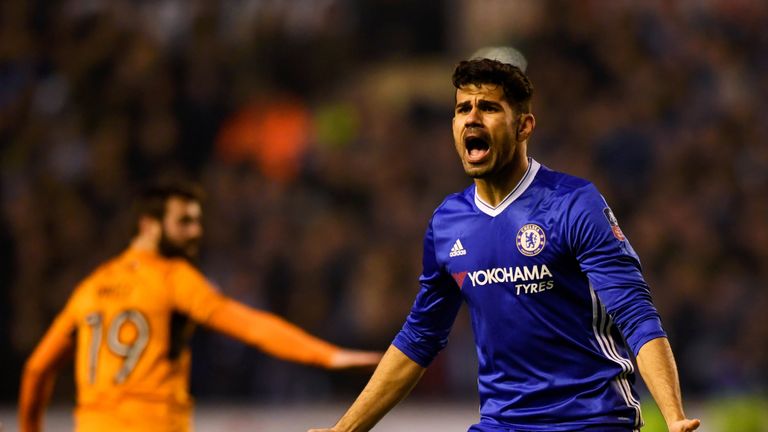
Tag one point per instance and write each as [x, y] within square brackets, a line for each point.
[614, 224]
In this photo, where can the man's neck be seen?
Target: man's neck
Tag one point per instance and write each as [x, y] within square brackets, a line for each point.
[144, 243]
[493, 189]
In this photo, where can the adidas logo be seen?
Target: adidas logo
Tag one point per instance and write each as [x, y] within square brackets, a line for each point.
[457, 249]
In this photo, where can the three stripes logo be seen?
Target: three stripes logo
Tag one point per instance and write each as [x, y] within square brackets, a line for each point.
[457, 249]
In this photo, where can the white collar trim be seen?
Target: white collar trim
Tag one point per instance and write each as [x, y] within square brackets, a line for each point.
[522, 186]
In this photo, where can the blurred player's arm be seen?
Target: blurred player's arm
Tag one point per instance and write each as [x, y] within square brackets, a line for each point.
[39, 373]
[657, 367]
[196, 297]
[393, 379]
[279, 338]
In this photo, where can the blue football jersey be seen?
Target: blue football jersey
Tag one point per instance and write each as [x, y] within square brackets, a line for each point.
[556, 299]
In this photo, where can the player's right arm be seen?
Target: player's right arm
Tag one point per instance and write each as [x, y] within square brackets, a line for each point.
[268, 332]
[283, 340]
[423, 335]
[393, 379]
[40, 372]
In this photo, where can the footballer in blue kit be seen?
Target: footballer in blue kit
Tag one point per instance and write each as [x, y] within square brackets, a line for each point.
[558, 304]
[542, 274]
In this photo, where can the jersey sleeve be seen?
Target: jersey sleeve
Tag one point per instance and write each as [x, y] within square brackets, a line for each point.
[426, 329]
[271, 334]
[612, 267]
[58, 339]
[40, 369]
[193, 294]
[196, 297]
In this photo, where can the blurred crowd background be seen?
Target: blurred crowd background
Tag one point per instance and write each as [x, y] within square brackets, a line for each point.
[321, 132]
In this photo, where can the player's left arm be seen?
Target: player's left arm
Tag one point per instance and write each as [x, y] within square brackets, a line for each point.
[612, 267]
[614, 273]
[657, 367]
[40, 370]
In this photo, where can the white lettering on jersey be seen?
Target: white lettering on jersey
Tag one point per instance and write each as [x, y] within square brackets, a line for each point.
[510, 275]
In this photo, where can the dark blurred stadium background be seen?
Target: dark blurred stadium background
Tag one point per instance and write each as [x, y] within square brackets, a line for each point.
[321, 131]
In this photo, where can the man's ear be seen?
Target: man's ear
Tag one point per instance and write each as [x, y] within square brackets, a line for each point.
[525, 126]
[149, 225]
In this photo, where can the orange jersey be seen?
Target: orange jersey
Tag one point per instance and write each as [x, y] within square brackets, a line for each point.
[131, 319]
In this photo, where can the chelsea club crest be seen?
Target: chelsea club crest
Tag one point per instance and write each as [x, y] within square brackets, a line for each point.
[530, 239]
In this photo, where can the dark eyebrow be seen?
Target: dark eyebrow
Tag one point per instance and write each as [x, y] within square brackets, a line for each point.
[464, 104]
[488, 104]
[188, 219]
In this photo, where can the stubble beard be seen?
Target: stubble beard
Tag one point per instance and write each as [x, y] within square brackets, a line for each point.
[172, 249]
[477, 172]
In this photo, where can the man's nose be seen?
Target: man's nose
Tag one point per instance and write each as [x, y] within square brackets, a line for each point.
[473, 118]
[195, 230]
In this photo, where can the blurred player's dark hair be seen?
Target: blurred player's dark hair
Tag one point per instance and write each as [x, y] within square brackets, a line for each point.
[518, 89]
[152, 198]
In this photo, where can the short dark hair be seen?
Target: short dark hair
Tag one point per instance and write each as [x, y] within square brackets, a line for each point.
[153, 197]
[518, 89]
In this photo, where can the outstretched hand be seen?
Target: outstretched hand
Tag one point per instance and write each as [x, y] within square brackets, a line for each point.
[684, 425]
[346, 359]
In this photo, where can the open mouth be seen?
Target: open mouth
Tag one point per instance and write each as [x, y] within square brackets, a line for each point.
[477, 148]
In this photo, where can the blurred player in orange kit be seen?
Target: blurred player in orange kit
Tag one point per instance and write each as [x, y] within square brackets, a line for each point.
[128, 324]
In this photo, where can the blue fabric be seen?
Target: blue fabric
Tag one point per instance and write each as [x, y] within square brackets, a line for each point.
[587, 428]
[554, 290]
